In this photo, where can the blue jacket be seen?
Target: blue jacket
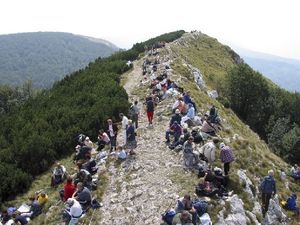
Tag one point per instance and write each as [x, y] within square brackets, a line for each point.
[291, 203]
[268, 185]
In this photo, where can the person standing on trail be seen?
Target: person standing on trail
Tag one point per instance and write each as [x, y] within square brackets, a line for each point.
[112, 131]
[267, 189]
[124, 127]
[227, 157]
[135, 111]
[150, 109]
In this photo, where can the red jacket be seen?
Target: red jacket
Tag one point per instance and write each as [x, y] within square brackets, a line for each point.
[69, 190]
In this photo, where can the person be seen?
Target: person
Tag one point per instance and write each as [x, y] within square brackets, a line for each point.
[179, 104]
[226, 156]
[83, 176]
[183, 218]
[175, 117]
[73, 211]
[208, 128]
[5, 217]
[207, 188]
[186, 204]
[267, 189]
[112, 131]
[88, 142]
[150, 110]
[103, 139]
[90, 165]
[213, 114]
[291, 204]
[131, 141]
[189, 117]
[124, 127]
[209, 151]
[189, 155]
[58, 174]
[35, 209]
[175, 130]
[69, 189]
[135, 111]
[83, 196]
[42, 198]
[19, 219]
[295, 172]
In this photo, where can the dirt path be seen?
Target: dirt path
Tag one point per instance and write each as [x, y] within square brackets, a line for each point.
[140, 189]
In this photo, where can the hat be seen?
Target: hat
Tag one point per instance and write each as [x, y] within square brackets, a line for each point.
[222, 145]
[177, 111]
[87, 138]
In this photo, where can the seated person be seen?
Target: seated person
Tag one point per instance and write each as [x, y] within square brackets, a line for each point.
[73, 211]
[35, 209]
[190, 156]
[19, 219]
[208, 128]
[291, 204]
[83, 196]
[69, 189]
[175, 130]
[186, 204]
[295, 172]
[84, 177]
[183, 218]
[42, 198]
[189, 116]
[88, 142]
[197, 136]
[82, 152]
[175, 117]
[5, 217]
[58, 175]
[183, 138]
[90, 165]
[213, 115]
[121, 154]
[103, 139]
[207, 188]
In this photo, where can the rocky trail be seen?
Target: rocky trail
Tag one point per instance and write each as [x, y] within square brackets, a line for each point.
[140, 189]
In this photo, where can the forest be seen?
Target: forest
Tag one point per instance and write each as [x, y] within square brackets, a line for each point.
[272, 112]
[42, 127]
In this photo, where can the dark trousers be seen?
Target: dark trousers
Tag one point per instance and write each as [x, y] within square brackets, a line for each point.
[135, 118]
[226, 168]
[265, 202]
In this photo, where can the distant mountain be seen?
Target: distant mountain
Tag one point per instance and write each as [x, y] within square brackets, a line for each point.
[45, 57]
[282, 71]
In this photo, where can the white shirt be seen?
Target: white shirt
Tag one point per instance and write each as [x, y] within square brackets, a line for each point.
[76, 210]
[124, 122]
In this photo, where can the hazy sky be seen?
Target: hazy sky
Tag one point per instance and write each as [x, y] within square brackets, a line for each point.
[270, 26]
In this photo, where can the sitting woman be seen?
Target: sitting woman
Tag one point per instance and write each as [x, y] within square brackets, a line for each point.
[291, 204]
[207, 188]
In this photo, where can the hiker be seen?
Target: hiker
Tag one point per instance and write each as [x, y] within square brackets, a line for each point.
[174, 130]
[227, 157]
[186, 204]
[291, 204]
[189, 155]
[267, 189]
[58, 175]
[88, 142]
[69, 189]
[198, 139]
[183, 138]
[83, 196]
[189, 117]
[131, 140]
[124, 127]
[42, 198]
[19, 219]
[213, 115]
[179, 104]
[187, 100]
[208, 128]
[35, 209]
[175, 117]
[134, 113]
[83, 176]
[121, 154]
[207, 188]
[150, 110]
[5, 217]
[90, 165]
[183, 218]
[295, 172]
[209, 151]
[82, 152]
[112, 131]
[103, 139]
[73, 211]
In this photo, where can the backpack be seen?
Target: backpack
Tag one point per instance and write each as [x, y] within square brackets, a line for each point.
[95, 204]
[267, 185]
[168, 216]
[200, 206]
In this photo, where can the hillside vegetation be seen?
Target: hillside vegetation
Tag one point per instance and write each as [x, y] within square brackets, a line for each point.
[46, 57]
[272, 112]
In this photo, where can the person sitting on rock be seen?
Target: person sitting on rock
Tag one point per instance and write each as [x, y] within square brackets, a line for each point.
[206, 188]
[179, 104]
[183, 218]
[213, 115]
[42, 198]
[183, 138]
[73, 211]
[208, 128]
[35, 209]
[19, 219]
[188, 100]
[69, 189]
[175, 117]
[90, 165]
[88, 142]
[189, 117]
[291, 204]
[295, 172]
[186, 204]
[103, 139]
